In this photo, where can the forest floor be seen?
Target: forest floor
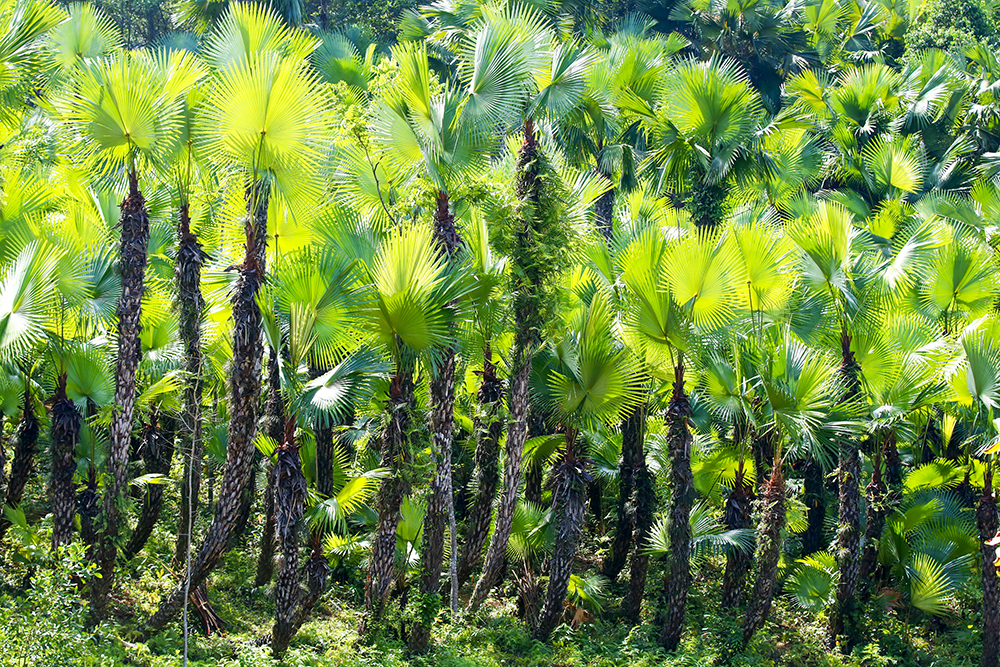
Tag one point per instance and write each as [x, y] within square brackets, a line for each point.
[793, 637]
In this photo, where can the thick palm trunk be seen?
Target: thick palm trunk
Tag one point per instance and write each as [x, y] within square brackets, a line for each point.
[737, 515]
[772, 520]
[848, 549]
[568, 507]
[244, 385]
[289, 504]
[526, 326]
[679, 519]
[64, 433]
[439, 504]
[25, 442]
[489, 429]
[187, 275]
[134, 225]
[624, 519]
[158, 449]
[604, 209]
[812, 539]
[645, 508]
[272, 425]
[395, 455]
[986, 520]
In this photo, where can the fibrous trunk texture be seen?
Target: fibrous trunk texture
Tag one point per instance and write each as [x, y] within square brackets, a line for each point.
[25, 442]
[395, 455]
[272, 425]
[158, 449]
[568, 508]
[986, 520]
[737, 515]
[848, 543]
[289, 505]
[190, 304]
[439, 503]
[526, 340]
[134, 225]
[489, 428]
[604, 209]
[645, 507]
[244, 386]
[679, 518]
[624, 519]
[64, 433]
[772, 520]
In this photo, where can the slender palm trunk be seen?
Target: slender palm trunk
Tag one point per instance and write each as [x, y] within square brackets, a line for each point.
[272, 424]
[737, 515]
[25, 442]
[568, 507]
[986, 520]
[526, 339]
[489, 430]
[679, 519]
[187, 275]
[134, 241]
[624, 519]
[772, 521]
[158, 449]
[875, 512]
[64, 433]
[849, 520]
[645, 507]
[395, 455]
[244, 385]
[439, 504]
[604, 213]
[289, 502]
[812, 539]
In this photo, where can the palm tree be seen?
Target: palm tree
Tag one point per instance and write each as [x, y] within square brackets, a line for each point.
[537, 234]
[64, 434]
[598, 381]
[272, 140]
[122, 112]
[415, 290]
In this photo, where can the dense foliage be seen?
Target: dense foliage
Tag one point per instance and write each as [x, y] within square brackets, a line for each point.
[599, 333]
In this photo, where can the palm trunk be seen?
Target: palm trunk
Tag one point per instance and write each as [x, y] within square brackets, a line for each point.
[679, 521]
[25, 441]
[526, 339]
[624, 520]
[395, 455]
[289, 502]
[134, 241]
[737, 515]
[487, 472]
[986, 519]
[439, 504]
[875, 513]
[272, 425]
[244, 385]
[187, 274]
[157, 452]
[848, 553]
[772, 520]
[604, 209]
[64, 433]
[812, 539]
[645, 507]
[568, 506]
